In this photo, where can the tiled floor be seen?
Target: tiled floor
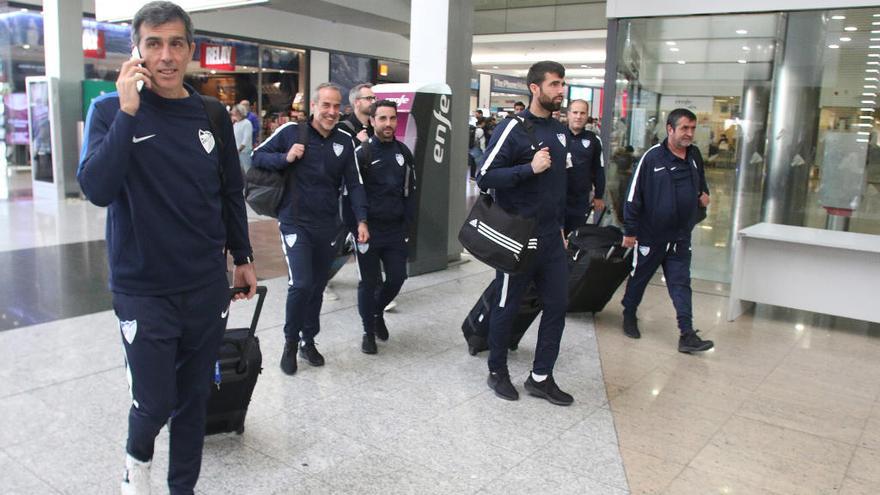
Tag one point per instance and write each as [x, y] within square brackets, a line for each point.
[787, 403]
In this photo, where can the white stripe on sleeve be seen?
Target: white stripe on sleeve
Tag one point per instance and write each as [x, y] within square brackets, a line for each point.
[278, 130]
[497, 147]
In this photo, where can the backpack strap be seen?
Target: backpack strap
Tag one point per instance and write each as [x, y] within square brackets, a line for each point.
[216, 113]
[529, 128]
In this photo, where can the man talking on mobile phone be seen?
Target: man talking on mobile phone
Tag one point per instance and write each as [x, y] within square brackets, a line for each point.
[169, 174]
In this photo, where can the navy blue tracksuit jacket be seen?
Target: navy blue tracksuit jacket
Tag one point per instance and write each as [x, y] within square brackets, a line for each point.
[158, 172]
[586, 171]
[309, 215]
[507, 170]
[661, 210]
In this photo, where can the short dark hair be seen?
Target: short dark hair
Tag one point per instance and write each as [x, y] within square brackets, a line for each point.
[677, 114]
[539, 70]
[382, 103]
[157, 14]
[520, 104]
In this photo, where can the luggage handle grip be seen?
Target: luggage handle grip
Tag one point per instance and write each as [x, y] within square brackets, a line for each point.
[252, 330]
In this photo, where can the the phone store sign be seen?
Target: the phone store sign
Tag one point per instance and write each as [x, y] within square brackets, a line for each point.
[217, 57]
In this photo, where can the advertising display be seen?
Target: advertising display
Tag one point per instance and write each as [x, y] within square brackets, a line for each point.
[423, 124]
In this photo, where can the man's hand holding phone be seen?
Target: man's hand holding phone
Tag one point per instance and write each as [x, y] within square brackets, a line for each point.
[132, 77]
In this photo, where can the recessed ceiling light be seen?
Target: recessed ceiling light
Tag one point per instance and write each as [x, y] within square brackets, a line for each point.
[746, 48]
[870, 86]
[869, 102]
[26, 47]
[866, 109]
[869, 94]
[875, 71]
[833, 46]
[850, 28]
[494, 66]
[873, 63]
[838, 17]
[876, 15]
[674, 49]
[874, 54]
[681, 62]
[741, 31]
[845, 38]
[860, 124]
[740, 61]
[670, 43]
[871, 79]
[875, 23]
[874, 47]
[213, 71]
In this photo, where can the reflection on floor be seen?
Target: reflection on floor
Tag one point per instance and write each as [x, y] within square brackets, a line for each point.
[416, 418]
[787, 403]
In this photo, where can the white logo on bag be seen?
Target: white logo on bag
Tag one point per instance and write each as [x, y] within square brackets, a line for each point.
[207, 140]
[561, 138]
[224, 314]
[129, 329]
[585, 142]
[337, 148]
[399, 158]
[473, 223]
[290, 239]
[644, 250]
[136, 140]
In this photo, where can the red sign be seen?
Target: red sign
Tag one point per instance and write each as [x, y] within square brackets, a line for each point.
[218, 57]
[93, 43]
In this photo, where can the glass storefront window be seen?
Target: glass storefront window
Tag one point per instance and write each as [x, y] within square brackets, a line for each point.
[785, 106]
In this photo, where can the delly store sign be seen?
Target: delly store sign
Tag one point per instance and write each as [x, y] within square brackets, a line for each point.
[218, 57]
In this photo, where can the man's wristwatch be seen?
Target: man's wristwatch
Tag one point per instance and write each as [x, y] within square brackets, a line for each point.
[244, 260]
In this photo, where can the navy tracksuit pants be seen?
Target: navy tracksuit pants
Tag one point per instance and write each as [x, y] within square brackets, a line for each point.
[309, 255]
[373, 293]
[171, 344]
[549, 271]
[675, 258]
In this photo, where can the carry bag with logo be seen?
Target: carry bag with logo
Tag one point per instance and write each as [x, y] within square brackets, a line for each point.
[264, 188]
[497, 238]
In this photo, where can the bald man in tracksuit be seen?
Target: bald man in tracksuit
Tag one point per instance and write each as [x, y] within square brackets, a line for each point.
[308, 214]
[661, 209]
[587, 168]
[531, 183]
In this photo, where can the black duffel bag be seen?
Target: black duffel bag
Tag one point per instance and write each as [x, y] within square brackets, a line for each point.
[497, 238]
[264, 188]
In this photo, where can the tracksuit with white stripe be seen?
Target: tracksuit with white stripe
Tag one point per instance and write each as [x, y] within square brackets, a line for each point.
[168, 221]
[518, 190]
[661, 210]
[389, 182]
[309, 216]
[587, 170]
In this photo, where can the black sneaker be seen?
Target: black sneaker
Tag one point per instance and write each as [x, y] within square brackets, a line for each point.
[631, 327]
[380, 328]
[500, 383]
[368, 344]
[288, 358]
[310, 353]
[548, 390]
[691, 342]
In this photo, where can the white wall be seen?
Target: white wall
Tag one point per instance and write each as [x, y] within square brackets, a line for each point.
[652, 8]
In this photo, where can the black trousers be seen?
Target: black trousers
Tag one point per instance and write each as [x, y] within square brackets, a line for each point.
[675, 258]
[171, 344]
[374, 293]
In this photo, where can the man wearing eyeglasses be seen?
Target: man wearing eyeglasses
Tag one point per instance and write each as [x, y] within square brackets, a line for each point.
[357, 123]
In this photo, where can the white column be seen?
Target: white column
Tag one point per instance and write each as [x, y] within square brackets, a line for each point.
[485, 98]
[62, 39]
[441, 42]
[319, 72]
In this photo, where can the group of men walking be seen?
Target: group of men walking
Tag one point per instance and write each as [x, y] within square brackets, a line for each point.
[169, 174]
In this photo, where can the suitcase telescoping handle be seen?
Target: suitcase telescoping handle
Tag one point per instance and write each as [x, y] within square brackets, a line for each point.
[245, 349]
[261, 296]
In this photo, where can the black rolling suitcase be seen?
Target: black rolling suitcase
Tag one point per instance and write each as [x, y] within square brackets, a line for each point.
[235, 374]
[598, 264]
[475, 327]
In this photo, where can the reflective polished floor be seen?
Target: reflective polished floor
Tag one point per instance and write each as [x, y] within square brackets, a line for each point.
[787, 403]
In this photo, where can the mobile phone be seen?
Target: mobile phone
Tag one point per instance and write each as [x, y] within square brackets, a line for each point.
[135, 53]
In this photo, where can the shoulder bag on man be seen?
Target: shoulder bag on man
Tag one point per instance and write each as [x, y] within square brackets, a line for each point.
[264, 188]
[497, 238]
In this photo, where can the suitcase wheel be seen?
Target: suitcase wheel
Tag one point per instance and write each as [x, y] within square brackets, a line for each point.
[240, 429]
[472, 350]
[513, 347]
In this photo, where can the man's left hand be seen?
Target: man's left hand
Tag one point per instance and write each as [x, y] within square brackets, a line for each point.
[245, 276]
[704, 200]
[363, 233]
[362, 136]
